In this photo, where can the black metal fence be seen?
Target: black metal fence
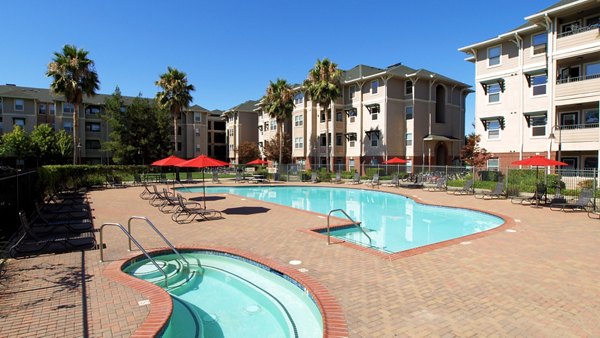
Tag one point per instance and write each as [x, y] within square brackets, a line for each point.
[18, 191]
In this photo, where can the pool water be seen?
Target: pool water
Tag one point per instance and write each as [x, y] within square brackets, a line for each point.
[229, 296]
[395, 223]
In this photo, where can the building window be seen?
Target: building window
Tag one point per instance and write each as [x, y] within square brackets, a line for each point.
[298, 120]
[493, 54]
[590, 163]
[568, 119]
[590, 116]
[374, 116]
[298, 98]
[338, 139]
[19, 105]
[493, 90]
[539, 42]
[260, 145]
[322, 116]
[68, 126]
[92, 110]
[42, 109]
[493, 164]
[538, 125]
[68, 108]
[323, 140]
[52, 108]
[592, 70]
[299, 142]
[18, 121]
[92, 144]
[493, 128]
[409, 139]
[538, 83]
[570, 161]
[339, 116]
[273, 125]
[408, 88]
[352, 119]
[197, 117]
[351, 91]
[92, 126]
[374, 86]
[351, 163]
[374, 142]
[409, 112]
[178, 130]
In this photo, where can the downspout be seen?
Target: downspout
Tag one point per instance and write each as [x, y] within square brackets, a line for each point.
[551, 73]
[385, 124]
[519, 42]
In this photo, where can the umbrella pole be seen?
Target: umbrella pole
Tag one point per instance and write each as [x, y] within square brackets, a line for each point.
[204, 189]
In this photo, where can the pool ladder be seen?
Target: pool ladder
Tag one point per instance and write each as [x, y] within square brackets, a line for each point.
[356, 224]
[127, 232]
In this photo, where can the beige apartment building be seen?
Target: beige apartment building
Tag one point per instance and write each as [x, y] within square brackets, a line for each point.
[398, 111]
[200, 131]
[538, 87]
[267, 129]
[241, 126]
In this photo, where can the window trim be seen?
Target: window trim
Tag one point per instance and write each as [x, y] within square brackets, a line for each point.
[499, 56]
[569, 113]
[374, 90]
[489, 130]
[407, 140]
[583, 113]
[489, 95]
[412, 113]
[534, 86]
[22, 105]
[406, 87]
[533, 54]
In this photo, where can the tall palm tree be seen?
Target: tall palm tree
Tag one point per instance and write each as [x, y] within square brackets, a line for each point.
[73, 75]
[323, 86]
[175, 95]
[279, 104]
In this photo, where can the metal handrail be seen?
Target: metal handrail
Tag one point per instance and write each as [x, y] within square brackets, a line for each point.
[157, 232]
[135, 242]
[356, 224]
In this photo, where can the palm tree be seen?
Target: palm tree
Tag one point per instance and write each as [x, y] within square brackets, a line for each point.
[175, 95]
[323, 86]
[279, 104]
[73, 75]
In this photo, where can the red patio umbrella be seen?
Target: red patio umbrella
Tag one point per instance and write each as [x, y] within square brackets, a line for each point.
[168, 161]
[538, 161]
[258, 161]
[395, 160]
[203, 162]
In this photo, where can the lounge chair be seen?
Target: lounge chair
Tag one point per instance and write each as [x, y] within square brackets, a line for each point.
[147, 194]
[498, 192]
[415, 182]
[538, 195]
[114, 182]
[467, 189]
[170, 202]
[394, 183]
[40, 226]
[314, 178]
[28, 242]
[374, 182]
[159, 197]
[239, 177]
[338, 178]
[188, 211]
[440, 185]
[355, 179]
[581, 204]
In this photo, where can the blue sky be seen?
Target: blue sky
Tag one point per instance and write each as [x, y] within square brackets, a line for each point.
[231, 49]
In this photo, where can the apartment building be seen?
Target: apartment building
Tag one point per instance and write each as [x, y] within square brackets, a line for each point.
[200, 131]
[382, 113]
[538, 87]
[267, 129]
[241, 123]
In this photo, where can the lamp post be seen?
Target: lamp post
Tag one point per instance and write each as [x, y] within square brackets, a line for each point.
[78, 153]
[551, 136]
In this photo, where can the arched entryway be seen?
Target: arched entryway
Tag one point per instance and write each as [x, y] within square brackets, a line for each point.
[441, 154]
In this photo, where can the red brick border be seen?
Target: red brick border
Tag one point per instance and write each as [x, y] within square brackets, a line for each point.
[161, 305]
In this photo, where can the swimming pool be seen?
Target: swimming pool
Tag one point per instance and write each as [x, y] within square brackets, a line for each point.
[223, 295]
[394, 222]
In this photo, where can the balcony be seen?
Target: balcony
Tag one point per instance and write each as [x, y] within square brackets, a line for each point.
[576, 37]
[586, 135]
[575, 87]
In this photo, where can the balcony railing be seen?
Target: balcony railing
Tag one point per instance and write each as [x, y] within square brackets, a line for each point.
[577, 79]
[576, 30]
[578, 126]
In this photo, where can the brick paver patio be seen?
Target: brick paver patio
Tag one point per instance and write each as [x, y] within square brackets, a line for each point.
[539, 280]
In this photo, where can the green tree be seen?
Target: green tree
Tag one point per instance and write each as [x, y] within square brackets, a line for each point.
[323, 86]
[279, 104]
[248, 151]
[16, 143]
[472, 154]
[43, 143]
[175, 95]
[73, 75]
[63, 145]
[139, 132]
